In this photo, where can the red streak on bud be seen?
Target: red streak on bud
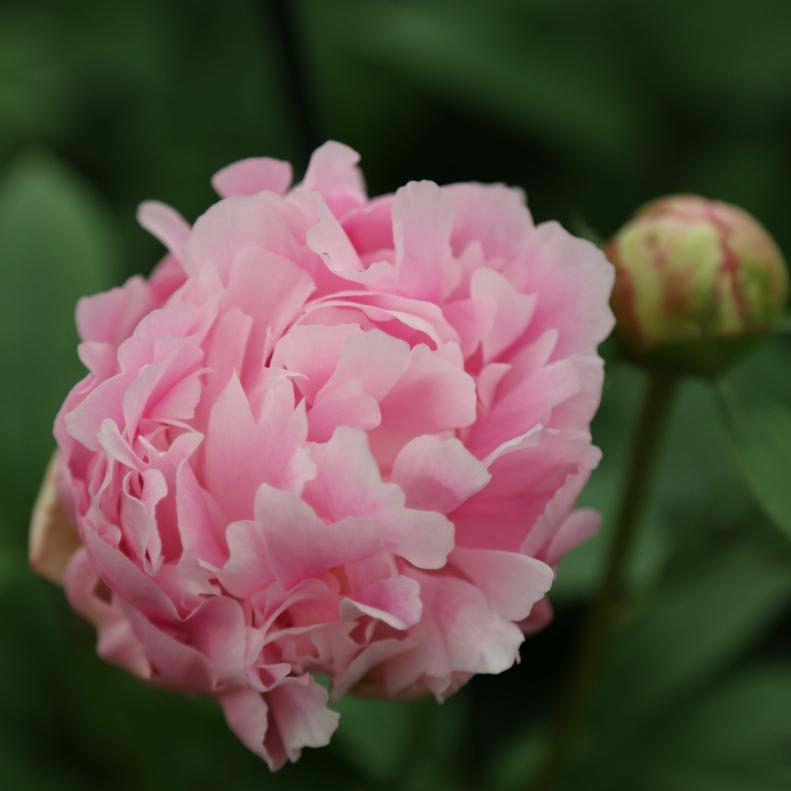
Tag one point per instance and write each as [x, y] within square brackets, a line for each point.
[730, 262]
[624, 294]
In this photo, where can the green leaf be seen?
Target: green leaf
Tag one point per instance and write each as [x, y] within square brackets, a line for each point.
[734, 738]
[759, 434]
[57, 246]
[375, 734]
[690, 630]
[497, 66]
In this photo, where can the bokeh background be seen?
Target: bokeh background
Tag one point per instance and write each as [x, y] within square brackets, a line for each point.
[593, 108]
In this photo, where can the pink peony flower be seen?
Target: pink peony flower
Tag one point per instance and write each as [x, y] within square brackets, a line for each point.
[329, 435]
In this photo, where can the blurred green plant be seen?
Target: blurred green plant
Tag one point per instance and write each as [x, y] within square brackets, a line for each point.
[593, 108]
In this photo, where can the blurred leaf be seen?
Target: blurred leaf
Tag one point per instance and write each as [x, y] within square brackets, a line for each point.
[691, 628]
[375, 734]
[57, 246]
[759, 431]
[499, 66]
[671, 656]
[744, 723]
[734, 738]
[517, 759]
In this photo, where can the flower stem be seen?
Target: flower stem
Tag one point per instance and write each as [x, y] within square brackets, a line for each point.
[641, 465]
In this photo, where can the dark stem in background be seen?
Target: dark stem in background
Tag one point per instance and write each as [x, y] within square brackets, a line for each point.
[642, 463]
[282, 16]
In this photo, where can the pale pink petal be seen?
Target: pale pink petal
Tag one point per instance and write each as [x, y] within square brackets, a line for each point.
[348, 481]
[488, 381]
[473, 319]
[422, 224]
[247, 715]
[343, 404]
[527, 406]
[126, 579]
[241, 453]
[512, 313]
[176, 663]
[575, 530]
[300, 718]
[442, 388]
[333, 173]
[512, 582]
[314, 352]
[247, 568]
[111, 316]
[364, 666]
[252, 175]
[424, 538]
[117, 642]
[166, 224]
[84, 422]
[395, 601]
[327, 238]
[460, 633]
[270, 290]
[574, 281]
[438, 474]
[263, 220]
[491, 215]
[298, 545]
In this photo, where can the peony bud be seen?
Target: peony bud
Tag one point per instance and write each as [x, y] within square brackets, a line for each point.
[697, 282]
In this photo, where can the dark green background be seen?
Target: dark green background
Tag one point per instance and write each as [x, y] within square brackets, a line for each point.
[593, 108]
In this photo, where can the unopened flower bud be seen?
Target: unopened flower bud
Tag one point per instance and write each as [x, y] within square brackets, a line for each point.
[697, 282]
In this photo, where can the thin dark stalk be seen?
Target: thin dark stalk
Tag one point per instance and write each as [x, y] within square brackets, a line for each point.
[282, 18]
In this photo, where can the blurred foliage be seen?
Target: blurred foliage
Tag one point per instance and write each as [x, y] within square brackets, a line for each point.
[593, 108]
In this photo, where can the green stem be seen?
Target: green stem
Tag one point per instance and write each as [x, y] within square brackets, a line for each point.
[642, 463]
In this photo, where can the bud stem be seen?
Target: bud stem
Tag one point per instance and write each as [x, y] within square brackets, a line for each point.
[641, 465]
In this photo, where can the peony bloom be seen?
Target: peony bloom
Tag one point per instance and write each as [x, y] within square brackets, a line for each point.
[697, 281]
[329, 435]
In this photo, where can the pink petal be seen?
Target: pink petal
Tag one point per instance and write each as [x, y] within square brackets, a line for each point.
[240, 454]
[333, 173]
[300, 718]
[578, 528]
[530, 404]
[370, 363]
[117, 642]
[574, 280]
[491, 215]
[166, 224]
[252, 175]
[179, 665]
[438, 474]
[512, 582]
[512, 314]
[299, 545]
[313, 351]
[348, 481]
[127, 580]
[433, 395]
[269, 289]
[424, 538]
[422, 223]
[111, 316]
[263, 220]
[394, 601]
[343, 404]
